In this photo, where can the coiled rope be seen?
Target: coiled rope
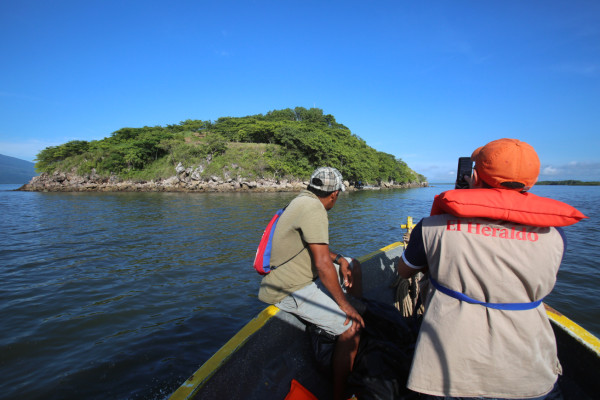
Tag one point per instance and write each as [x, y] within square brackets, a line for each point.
[408, 290]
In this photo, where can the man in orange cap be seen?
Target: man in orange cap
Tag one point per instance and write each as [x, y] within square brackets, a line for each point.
[506, 164]
[491, 253]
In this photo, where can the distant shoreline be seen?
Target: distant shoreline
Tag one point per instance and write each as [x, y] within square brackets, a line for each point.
[183, 182]
[569, 183]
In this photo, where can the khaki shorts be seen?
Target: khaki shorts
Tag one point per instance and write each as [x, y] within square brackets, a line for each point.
[314, 304]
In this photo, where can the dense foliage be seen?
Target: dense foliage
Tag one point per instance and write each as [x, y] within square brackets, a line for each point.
[280, 144]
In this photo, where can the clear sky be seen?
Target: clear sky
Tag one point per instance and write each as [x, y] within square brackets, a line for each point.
[426, 81]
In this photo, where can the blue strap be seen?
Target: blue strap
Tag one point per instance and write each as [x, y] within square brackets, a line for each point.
[269, 247]
[497, 306]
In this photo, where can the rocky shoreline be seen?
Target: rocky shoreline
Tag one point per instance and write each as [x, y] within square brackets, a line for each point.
[185, 180]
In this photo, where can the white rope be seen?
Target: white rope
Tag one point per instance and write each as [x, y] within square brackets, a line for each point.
[402, 300]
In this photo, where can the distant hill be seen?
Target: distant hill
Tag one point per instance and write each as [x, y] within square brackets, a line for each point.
[15, 170]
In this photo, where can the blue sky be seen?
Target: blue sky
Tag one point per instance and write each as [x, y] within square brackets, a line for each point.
[425, 81]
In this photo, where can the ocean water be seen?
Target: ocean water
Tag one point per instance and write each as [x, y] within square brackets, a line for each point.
[125, 295]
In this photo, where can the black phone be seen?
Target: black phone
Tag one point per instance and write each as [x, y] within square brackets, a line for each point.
[465, 167]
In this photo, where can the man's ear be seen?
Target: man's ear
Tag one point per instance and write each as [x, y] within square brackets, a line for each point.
[475, 179]
[333, 197]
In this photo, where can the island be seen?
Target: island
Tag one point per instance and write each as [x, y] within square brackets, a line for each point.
[276, 151]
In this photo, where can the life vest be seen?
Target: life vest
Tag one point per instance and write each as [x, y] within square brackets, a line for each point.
[506, 205]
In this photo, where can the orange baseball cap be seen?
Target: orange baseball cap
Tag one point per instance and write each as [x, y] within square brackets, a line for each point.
[508, 164]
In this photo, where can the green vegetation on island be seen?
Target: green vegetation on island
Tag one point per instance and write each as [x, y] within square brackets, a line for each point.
[287, 143]
[569, 183]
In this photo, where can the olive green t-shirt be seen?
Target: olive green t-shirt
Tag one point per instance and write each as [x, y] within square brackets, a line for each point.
[304, 221]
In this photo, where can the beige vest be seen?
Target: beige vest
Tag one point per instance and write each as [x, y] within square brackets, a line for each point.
[468, 350]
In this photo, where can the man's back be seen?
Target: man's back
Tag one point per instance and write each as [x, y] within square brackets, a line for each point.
[471, 349]
[303, 221]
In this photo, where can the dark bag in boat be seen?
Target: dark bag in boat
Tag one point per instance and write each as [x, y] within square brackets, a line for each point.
[322, 344]
[384, 357]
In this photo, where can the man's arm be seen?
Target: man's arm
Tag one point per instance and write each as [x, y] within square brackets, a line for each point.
[329, 277]
[404, 270]
[413, 259]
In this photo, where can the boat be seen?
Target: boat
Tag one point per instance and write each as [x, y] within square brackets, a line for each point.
[271, 350]
[360, 186]
[370, 187]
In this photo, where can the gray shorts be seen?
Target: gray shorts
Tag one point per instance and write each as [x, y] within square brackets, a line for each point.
[314, 304]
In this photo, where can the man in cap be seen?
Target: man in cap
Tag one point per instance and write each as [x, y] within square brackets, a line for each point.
[485, 333]
[311, 281]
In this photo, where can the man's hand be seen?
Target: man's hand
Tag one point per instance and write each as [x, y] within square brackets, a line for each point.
[328, 275]
[346, 274]
[352, 314]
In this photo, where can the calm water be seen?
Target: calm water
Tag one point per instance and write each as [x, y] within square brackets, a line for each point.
[124, 295]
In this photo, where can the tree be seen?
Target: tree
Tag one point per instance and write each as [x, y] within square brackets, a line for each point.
[216, 144]
[281, 115]
[52, 155]
[193, 125]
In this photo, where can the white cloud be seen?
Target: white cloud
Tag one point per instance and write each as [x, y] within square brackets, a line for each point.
[26, 150]
[549, 170]
[577, 170]
[441, 172]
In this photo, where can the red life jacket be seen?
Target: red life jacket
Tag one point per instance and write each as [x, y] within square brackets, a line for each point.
[506, 205]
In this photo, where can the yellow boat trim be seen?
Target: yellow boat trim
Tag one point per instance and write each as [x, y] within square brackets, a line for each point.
[189, 388]
[580, 334]
[382, 250]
